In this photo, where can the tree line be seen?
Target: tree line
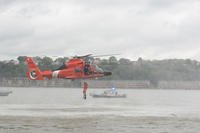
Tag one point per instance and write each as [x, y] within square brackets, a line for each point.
[122, 69]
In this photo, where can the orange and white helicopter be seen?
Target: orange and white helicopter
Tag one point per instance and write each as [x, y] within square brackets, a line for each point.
[79, 67]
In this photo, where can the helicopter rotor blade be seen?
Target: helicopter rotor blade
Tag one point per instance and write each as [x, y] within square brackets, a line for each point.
[90, 55]
[82, 56]
[105, 55]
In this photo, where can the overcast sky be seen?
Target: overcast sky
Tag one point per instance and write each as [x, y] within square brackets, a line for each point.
[151, 29]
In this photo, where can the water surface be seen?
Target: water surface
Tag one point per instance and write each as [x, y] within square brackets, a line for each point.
[64, 110]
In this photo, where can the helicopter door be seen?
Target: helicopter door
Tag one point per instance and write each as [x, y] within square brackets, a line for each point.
[86, 69]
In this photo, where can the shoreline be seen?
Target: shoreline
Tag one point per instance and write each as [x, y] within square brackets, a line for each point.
[9, 87]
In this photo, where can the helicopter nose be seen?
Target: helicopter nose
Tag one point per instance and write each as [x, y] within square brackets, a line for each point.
[107, 73]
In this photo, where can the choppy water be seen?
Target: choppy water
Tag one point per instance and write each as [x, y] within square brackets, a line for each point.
[63, 110]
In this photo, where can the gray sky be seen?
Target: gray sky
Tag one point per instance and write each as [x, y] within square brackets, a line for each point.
[151, 29]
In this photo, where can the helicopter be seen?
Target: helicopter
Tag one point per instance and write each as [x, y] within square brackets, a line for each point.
[79, 67]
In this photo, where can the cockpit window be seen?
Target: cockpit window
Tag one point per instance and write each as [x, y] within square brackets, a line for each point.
[98, 69]
[89, 60]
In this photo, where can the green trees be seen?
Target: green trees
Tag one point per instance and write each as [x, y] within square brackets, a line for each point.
[122, 69]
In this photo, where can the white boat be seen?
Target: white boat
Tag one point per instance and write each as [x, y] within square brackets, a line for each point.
[4, 92]
[109, 94]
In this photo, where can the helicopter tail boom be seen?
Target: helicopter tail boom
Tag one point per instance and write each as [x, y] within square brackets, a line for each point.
[34, 72]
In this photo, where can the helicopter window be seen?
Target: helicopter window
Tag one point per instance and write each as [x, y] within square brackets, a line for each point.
[89, 60]
[98, 69]
[87, 68]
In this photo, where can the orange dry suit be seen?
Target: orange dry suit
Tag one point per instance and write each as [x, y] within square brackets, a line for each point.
[85, 87]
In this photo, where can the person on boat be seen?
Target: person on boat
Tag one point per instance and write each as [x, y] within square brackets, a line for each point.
[85, 87]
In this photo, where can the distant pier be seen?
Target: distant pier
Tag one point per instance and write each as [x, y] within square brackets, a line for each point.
[128, 84]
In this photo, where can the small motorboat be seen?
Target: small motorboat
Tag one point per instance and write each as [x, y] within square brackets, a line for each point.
[109, 94]
[5, 92]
